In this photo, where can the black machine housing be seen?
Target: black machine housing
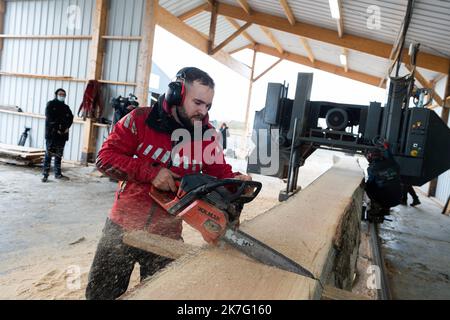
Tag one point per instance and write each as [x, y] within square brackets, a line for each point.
[419, 139]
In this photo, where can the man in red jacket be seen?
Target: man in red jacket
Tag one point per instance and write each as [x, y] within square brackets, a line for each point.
[141, 152]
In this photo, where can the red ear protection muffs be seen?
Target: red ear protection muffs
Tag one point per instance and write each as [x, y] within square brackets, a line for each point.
[176, 91]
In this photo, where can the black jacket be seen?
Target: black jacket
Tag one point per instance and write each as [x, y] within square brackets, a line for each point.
[58, 119]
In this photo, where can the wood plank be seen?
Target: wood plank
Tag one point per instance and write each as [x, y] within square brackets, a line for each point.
[19, 162]
[366, 45]
[236, 25]
[193, 12]
[23, 155]
[163, 246]
[122, 38]
[340, 21]
[42, 76]
[287, 10]
[231, 38]
[308, 50]
[318, 228]
[245, 6]
[345, 53]
[272, 39]
[22, 149]
[45, 37]
[333, 293]
[37, 116]
[177, 27]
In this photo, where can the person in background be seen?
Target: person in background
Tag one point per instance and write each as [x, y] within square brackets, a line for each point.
[58, 120]
[138, 153]
[225, 134]
[407, 188]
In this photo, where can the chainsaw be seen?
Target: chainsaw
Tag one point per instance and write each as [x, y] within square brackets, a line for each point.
[213, 207]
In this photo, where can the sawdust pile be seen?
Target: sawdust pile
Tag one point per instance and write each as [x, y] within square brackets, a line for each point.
[53, 275]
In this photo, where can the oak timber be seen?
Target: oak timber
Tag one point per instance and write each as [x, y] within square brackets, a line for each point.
[318, 228]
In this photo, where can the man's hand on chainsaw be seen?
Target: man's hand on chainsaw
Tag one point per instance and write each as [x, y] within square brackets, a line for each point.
[243, 177]
[165, 180]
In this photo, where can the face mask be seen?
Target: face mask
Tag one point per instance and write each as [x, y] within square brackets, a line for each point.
[62, 99]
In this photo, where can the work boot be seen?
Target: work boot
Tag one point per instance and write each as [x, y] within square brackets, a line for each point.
[44, 179]
[61, 177]
[415, 202]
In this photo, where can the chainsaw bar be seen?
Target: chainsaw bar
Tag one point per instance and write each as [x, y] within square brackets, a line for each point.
[262, 253]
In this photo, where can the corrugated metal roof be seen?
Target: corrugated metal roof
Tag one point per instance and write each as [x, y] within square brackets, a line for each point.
[430, 26]
[177, 7]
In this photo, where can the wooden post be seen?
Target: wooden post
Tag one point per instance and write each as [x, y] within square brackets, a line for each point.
[95, 68]
[2, 20]
[146, 51]
[249, 98]
[212, 27]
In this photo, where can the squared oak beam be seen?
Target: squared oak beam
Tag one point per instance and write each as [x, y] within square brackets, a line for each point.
[308, 50]
[272, 38]
[231, 38]
[212, 27]
[180, 29]
[236, 25]
[269, 68]
[95, 68]
[245, 6]
[146, 51]
[340, 21]
[193, 12]
[345, 53]
[288, 11]
[358, 43]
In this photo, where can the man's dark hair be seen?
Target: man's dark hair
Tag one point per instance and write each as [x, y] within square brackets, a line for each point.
[191, 74]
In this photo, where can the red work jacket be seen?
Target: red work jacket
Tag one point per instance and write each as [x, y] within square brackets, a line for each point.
[138, 147]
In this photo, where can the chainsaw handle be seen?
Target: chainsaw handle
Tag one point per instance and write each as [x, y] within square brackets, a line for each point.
[239, 194]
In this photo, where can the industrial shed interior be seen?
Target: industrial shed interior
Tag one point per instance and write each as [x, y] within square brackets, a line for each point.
[356, 209]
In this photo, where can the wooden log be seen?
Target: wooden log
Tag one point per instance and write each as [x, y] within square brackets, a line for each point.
[154, 243]
[318, 228]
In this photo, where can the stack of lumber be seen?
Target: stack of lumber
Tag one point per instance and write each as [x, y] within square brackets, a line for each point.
[319, 228]
[19, 155]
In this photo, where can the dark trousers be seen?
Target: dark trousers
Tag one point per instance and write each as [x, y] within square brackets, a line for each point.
[54, 148]
[114, 262]
[408, 189]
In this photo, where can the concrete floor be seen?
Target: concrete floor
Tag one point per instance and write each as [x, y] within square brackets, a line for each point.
[416, 247]
[40, 216]
[40, 221]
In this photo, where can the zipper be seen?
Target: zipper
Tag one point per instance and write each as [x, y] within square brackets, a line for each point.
[123, 185]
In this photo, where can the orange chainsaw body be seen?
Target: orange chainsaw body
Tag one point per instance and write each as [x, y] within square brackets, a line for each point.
[210, 221]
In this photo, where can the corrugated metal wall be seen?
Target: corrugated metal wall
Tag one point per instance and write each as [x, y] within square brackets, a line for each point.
[124, 19]
[62, 58]
[43, 57]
